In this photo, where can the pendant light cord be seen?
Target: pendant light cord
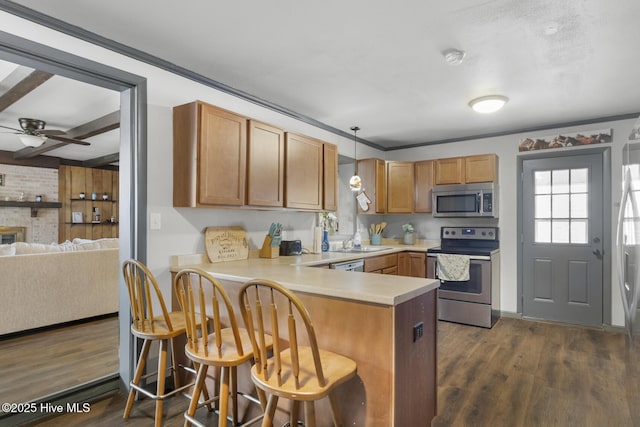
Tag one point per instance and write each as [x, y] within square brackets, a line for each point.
[355, 129]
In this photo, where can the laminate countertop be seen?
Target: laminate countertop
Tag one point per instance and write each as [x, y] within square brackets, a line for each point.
[298, 274]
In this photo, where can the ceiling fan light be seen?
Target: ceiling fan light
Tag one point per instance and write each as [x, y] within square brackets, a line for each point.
[488, 104]
[32, 140]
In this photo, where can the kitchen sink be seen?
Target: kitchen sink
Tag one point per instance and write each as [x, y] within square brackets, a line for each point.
[364, 249]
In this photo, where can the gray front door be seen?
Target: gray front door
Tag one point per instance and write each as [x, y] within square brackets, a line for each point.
[562, 239]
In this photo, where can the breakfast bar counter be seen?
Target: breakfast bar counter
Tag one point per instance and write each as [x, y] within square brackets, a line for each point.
[386, 323]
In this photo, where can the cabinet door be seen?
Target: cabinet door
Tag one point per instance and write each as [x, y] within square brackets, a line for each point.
[222, 157]
[412, 264]
[330, 187]
[424, 184]
[390, 270]
[417, 262]
[480, 168]
[400, 187]
[373, 173]
[404, 264]
[265, 165]
[450, 171]
[378, 264]
[303, 172]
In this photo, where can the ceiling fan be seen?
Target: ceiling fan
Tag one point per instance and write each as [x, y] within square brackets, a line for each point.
[33, 133]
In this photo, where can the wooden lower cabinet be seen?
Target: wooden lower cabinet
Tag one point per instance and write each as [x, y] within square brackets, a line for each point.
[382, 264]
[412, 264]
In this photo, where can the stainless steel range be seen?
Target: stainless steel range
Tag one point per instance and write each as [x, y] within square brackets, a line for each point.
[475, 301]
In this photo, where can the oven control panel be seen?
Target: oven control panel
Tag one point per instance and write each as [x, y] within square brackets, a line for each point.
[469, 233]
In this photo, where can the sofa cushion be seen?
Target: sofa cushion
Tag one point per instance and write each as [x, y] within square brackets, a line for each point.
[6, 250]
[104, 243]
[35, 248]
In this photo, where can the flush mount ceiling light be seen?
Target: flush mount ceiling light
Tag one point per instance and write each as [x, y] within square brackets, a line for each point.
[453, 56]
[488, 104]
[32, 140]
[355, 183]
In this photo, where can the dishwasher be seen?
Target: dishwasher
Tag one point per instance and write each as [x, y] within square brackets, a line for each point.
[353, 265]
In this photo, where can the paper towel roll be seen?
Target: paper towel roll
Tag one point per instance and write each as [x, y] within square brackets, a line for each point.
[317, 240]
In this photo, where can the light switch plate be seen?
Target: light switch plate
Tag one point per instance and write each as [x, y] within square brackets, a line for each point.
[155, 221]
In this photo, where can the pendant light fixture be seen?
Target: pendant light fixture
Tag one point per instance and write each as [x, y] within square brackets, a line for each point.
[355, 183]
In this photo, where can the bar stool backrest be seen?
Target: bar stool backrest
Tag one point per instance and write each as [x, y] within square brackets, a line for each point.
[144, 293]
[269, 308]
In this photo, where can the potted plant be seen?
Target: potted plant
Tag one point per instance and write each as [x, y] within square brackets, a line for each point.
[409, 234]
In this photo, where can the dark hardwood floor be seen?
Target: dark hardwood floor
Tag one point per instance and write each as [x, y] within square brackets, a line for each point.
[36, 365]
[525, 373]
[519, 373]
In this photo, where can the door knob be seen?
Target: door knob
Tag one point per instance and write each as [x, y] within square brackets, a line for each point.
[598, 254]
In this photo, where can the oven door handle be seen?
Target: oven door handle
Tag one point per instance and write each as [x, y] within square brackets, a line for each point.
[471, 257]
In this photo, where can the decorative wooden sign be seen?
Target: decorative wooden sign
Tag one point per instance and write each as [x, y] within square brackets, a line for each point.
[226, 243]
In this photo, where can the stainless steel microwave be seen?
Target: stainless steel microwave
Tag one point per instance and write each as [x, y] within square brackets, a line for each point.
[465, 200]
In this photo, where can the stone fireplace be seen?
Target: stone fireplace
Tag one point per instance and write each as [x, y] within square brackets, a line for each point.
[11, 234]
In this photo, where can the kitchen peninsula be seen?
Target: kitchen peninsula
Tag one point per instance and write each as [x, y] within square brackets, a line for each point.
[386, 323]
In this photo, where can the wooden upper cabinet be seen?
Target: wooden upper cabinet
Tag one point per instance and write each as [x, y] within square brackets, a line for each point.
[424, 175]
[265, 165]
[209, 156]
[481, 168]
[373, 173]
[303, 172]
[330, 184]
[400, 187]
[449, 171]
[466, 170]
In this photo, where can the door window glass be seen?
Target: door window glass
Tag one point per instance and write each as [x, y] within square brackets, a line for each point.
[561, 206]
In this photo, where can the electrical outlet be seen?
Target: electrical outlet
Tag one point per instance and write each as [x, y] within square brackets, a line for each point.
[418, 330]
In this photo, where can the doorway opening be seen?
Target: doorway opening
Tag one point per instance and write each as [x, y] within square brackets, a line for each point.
[132, 184]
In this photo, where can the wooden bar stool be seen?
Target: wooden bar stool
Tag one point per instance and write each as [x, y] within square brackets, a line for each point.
[144, 295]
[298, 373]
[206, 306]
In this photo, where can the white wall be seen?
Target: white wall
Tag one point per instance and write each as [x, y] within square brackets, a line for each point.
[506, 147]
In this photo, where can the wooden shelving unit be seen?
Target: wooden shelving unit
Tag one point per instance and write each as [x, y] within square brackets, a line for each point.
[75, 180]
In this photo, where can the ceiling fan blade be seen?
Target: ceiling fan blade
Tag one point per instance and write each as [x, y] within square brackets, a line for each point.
[14, 129]
[68, 140]
[47, 132]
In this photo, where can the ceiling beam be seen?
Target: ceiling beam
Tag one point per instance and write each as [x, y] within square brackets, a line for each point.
[19, 83]
[94, 127]
[29, 152]
[101, 161]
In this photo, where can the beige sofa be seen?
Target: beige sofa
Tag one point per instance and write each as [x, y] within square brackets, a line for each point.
[45, 285]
